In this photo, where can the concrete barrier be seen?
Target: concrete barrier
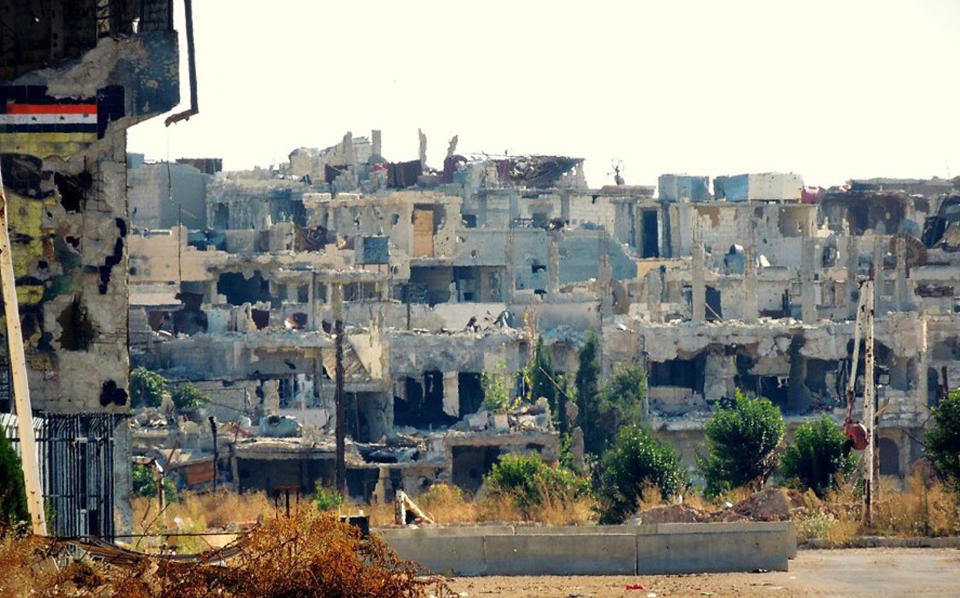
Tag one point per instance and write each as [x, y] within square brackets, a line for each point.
[597, 550]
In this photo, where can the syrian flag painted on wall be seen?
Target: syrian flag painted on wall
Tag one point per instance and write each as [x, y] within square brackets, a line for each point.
[28, 109]
[49, 118]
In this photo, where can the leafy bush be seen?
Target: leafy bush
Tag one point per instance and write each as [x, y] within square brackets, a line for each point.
[326, 499]
[943, 439]
[741, 444]
[188, 397]
[531, 483]
[496, 392]
[815, 460]
[145, 485]
[638, 460]
[146, 388]
[13, 496]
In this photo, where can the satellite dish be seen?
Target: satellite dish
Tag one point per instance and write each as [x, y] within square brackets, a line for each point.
[915, 249]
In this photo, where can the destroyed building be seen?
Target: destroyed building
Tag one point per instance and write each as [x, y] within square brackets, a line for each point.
[451, 272]
[74, 77]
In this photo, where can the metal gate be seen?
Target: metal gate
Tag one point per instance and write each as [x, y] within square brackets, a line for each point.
[76, 457]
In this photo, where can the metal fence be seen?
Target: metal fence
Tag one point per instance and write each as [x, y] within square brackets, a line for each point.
[76, 457]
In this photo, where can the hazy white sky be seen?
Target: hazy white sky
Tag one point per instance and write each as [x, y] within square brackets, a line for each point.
[830, 89]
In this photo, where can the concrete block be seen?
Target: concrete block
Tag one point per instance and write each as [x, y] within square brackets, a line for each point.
[561, 554]
[445, 555]
[713, 551]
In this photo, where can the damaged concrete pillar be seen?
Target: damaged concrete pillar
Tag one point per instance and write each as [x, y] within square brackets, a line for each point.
[271, 397]
[749, 309]
[348, 147]
[605, 288]
[375, 140]
[699, 287]
[451, 394]
[553, 265]
[423, 148]
[901, 300]
[210, 292]
[853, 258]
[808, 289]
[654, 293]
[878, 282]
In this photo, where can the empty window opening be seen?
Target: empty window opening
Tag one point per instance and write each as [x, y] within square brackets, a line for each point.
[471, 392]
[260, 317]
[471, 463]
[889, 457]
[674, 372]
[422, 407]
[239, 290]
[650, 236]
[714, 305]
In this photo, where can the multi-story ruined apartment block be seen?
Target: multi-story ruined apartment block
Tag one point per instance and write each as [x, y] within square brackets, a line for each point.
[73, 77]
[448, 273]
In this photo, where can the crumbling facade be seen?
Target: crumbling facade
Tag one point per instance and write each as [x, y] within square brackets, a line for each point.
[449, 273]
[74, 76]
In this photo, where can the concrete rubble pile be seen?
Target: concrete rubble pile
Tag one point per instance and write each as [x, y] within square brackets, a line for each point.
[447, 273]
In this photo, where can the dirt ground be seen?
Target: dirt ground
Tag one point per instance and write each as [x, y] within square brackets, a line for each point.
[858, 572]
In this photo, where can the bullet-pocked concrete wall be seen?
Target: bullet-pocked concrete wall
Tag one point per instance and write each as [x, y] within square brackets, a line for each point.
[598, 550]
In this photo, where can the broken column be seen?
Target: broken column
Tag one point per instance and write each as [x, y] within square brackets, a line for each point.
[853, 258]
[698, 302]
[878, 306]
[451, 394]
[901, 301]
[423, 148]
[808, 296]
[375, 140]
[749, 309]
[553, 265]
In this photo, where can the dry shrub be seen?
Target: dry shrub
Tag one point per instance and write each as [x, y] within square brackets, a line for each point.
[218, 510]
[921, 509]
[312, 554]
[381, 515]
[446, 503]
[551, 511]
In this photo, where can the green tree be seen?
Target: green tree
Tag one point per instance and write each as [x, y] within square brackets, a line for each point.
[543, 381]
[742, 443]
[943, 439]
[145, 485]
[326, 499]
[13, 496]
[588, 394]
[621, 403]
[187, 397]
[816, 458]
[146, 388]
[637, 460]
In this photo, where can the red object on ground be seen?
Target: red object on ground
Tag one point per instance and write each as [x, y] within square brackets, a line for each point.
[635, 586]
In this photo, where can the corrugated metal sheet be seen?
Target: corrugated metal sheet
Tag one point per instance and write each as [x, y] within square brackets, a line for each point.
[423, 233]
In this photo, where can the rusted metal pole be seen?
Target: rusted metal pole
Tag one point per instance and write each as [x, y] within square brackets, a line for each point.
[18, 369]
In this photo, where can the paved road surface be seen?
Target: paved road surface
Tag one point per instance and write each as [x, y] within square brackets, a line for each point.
[873, 572]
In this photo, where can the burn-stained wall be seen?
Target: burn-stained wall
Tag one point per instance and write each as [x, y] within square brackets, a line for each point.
[73, 77]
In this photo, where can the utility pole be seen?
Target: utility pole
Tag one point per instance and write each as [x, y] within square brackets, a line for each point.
[18, 369]
[336, 296]
[869, 407]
